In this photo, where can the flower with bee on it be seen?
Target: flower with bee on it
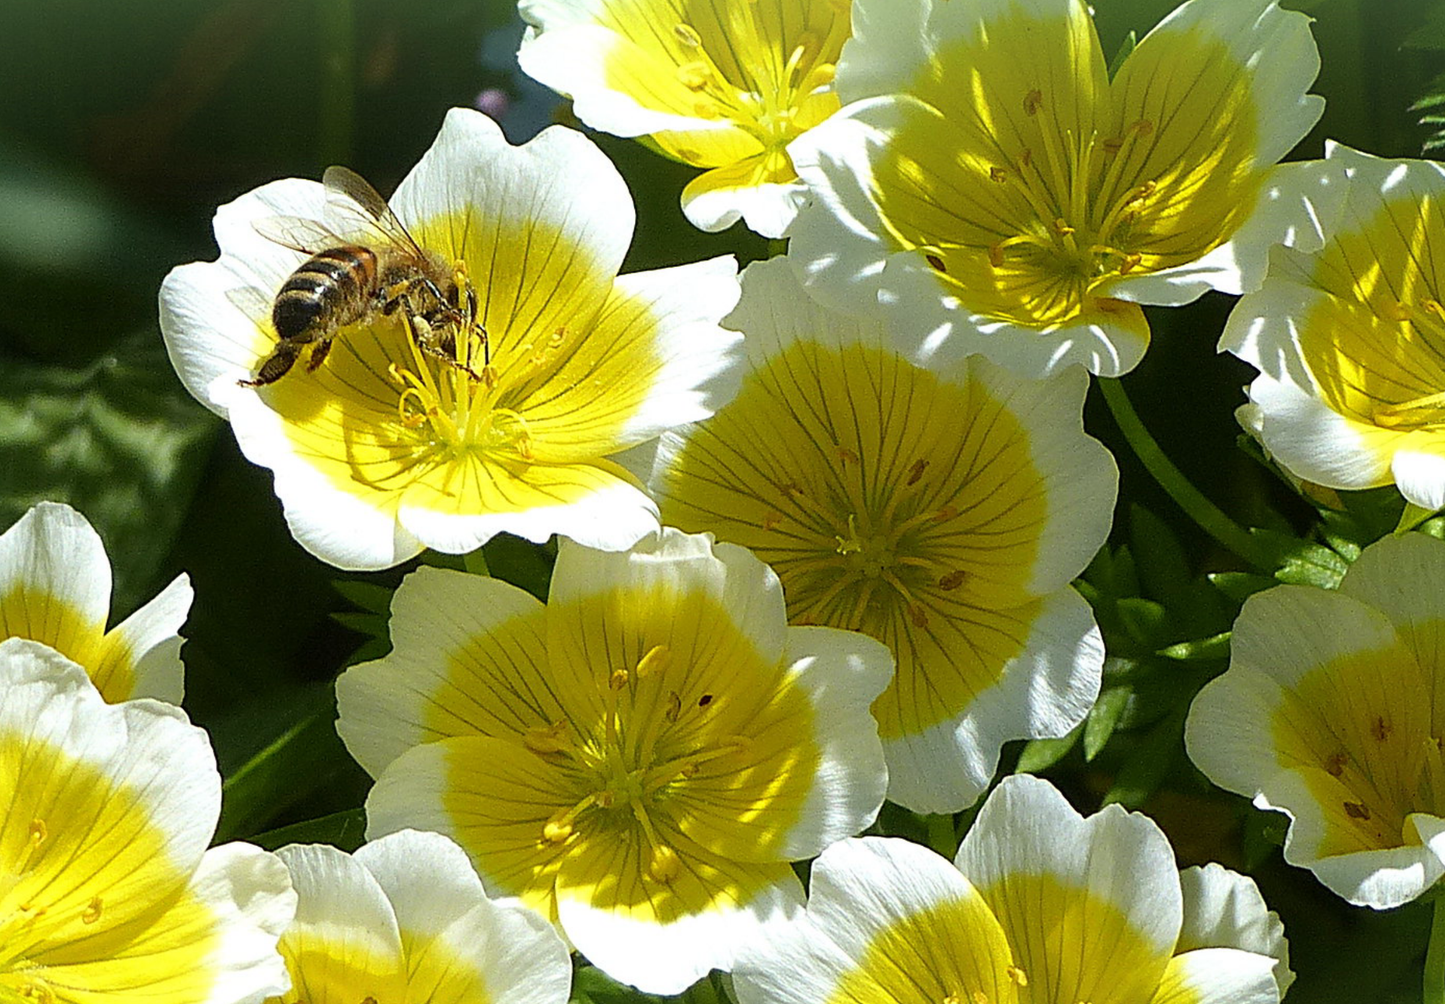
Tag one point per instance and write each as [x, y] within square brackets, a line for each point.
[720, 86]
[992, 190]
[559, 364]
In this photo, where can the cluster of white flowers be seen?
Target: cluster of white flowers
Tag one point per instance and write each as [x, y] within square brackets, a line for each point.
[820, 522]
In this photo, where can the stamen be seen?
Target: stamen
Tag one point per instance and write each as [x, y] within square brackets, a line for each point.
[1033, 101]
[547, 739]
[687, 35]
[91, 913]
[1019, 977]
[657, 660]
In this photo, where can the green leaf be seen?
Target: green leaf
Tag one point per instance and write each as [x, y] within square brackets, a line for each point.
[1302, 562]
[1146, 622]
[1216, 647]
[1127, 46]
[366, 595]
[118, 439]
[1149, 764]
[374, 625]
[1412, 516]
[592, 986]
[345, 829]
[1163, 569]
[1103, 718]
[1240, 586]
[1039, 755]
[298, 754]
[521, 563]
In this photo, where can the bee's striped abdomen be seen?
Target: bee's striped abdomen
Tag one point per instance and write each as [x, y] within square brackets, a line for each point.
[330, 289]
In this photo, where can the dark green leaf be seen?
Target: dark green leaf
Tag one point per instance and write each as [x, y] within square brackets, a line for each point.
[1131, 40]
[1240, 586]
[1216, 647]
[119, 439]
[374, 625]
[345, 830]
[366, 595]
[1040, 754]
[1148, 765]
[1103, 718]
[1146, 622]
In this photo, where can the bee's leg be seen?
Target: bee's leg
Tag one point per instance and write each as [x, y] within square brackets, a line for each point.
[318, 354]
[276, 365]
[438, 342]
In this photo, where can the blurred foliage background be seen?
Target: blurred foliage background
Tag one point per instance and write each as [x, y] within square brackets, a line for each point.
[123, 123]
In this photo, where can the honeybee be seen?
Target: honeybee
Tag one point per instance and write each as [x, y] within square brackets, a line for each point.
[364, 264]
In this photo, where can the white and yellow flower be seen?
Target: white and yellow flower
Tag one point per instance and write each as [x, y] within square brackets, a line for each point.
[405, 919]
[1329, 712]
[107, 891]
[1041, 906]
[996, 192]
[386, 449]
[639, 759]
[1350, 342]
[943, 513]
[55, 588]
[723, 86]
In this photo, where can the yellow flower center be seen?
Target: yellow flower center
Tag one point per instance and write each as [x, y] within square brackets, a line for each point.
[651, 743]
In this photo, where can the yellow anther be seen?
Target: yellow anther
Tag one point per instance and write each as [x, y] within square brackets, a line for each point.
[919, 616]
[1356, 810]
[618, 679]
[936, 263]
[952, 999]
[1131, 261]
[997, 174]
[1061, 227]
[657, 660]
[915, 471]
[1335, 764]
[546, 738]
[674, 707]
[1033, 101]
[952, 580]
[1019, 977]
[694, 76]
[705, 701]
[665, 865]
[995, 254]
[687, 35]
[556, 831]
[850, 544]
[91, 913]
[38, 832]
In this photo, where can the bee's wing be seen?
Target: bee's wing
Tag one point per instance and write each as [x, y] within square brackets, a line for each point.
[250, 301]
[298, 233]
[356, 209]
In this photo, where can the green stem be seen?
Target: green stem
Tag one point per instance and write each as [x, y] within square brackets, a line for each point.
[1209, 516]
[1435, 957]
[942, 836]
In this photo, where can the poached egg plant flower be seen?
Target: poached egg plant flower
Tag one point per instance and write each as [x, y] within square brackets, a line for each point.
[384, 449]
[55, 584]
[107, 891]
[1041, 906]
[1350, 342]
[943, 513]
[723, 86]
[639, 759]
[995, 191]
[405, 919]
[1327, 713]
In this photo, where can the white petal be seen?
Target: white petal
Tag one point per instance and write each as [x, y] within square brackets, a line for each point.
[249, 892]
[842, 672]
[1043, 693]
[52, 551]
[152, 635]
[1224, 909]
[1218, 976]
